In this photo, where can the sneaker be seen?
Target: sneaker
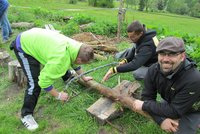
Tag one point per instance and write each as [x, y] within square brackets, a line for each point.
[29, 122]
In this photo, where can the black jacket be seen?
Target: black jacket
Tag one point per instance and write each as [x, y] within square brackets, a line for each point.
[143, 55]
[180, 91]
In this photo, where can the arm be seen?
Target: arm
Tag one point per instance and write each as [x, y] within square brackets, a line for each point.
[59, 95]
[139, 60]
[85, 78]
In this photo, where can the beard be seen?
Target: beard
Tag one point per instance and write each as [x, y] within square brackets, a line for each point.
[167, 67]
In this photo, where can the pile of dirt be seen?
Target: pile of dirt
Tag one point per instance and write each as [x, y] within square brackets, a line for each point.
[102, 45]
[98, 42]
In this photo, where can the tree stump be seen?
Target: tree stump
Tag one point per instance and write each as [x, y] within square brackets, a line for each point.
[4, 58]
[16, 74]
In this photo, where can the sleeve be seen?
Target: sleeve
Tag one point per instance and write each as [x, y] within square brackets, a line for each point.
[139, 60]
[53, 69]
[131, 54]
[157, 119]
[149, 92]
[76, 67]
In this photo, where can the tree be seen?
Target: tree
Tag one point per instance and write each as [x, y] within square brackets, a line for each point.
[132, 3]
[72, 1]
[101, 3]
[141, 5]
[160, 5]
[195, 10]
[92, 3]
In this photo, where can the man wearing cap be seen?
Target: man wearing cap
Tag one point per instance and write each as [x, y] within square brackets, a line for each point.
[177, 80]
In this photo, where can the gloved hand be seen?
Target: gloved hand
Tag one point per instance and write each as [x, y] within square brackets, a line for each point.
[63, 96]
[111, 71]
[122, 61]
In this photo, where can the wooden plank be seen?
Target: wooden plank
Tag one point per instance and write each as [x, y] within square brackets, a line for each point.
[105, 109]
[115, 96]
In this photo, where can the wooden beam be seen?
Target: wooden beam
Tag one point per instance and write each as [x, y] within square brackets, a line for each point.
[115, 96]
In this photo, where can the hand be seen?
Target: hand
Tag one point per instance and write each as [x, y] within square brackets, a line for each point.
[63, 96]
[137, 105]
[169, 125]
[87, 78]
[123, 61]
[109, 73]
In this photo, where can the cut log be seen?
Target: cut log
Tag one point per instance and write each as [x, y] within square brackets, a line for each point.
[25, 25]
[105, 109]
[11, 70]
[105, 48]
[115, 96]
[16, 74]
[21, 78]
[85, 26]
[99, 57]
[4, 58]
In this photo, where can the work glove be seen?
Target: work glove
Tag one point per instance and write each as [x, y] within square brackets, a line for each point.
[111, 71]
[122, 61]
[62, 96]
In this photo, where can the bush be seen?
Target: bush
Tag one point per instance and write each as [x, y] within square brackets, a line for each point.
[101, 3]
[105, 28]
[46, 14]
[71, 28]
[82, 19]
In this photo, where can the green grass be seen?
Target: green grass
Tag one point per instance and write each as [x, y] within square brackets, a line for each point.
[71, 118]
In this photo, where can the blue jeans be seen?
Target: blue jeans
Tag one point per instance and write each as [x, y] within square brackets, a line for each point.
[5, 26]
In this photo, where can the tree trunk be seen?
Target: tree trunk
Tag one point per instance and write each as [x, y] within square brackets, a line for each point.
[120, 19]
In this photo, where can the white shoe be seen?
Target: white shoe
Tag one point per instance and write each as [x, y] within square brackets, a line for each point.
[29, 122]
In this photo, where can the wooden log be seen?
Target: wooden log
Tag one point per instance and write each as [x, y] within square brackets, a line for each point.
[108, 92]
[105, 48]
[4, 58]
[25, 25]
[96, 42]
[21, 78]
[85, 26]
[99, 57]
[105, 109]
[11, 70]
[16, 74]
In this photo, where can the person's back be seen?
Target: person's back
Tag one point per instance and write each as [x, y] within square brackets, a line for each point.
[55, 45]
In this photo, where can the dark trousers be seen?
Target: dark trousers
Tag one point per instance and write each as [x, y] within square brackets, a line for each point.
[31, 69]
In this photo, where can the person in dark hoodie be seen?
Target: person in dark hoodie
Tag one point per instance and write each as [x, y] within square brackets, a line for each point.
[177, 80]
[141, 56]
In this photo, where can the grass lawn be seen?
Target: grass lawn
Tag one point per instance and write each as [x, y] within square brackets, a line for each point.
[71, 118]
